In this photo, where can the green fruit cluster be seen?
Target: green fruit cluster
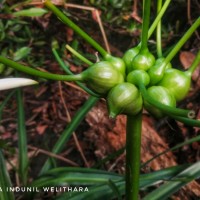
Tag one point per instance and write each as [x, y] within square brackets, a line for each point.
[119, 80]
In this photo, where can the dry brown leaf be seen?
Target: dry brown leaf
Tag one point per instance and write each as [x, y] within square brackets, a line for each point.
[186, 58]
[41, 129]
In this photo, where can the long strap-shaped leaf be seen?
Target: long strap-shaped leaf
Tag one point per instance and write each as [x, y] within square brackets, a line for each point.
[22, 139]
[169, 188]
[4, 180]
[88, 177]
[104, 191]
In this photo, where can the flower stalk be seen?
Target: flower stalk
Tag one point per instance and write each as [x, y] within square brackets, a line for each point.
[133, 146]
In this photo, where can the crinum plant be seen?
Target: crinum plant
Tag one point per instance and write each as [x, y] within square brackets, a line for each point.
[139, 80]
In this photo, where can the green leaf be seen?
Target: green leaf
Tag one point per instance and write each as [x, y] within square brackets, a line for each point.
[22, 139]
[31, 12]
[187, 142]
[101, 181]
[166, 190]
[74, 176]
[21, 53]
[4, 180]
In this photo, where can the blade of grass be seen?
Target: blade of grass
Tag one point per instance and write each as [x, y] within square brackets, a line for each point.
[95, 193]
[110, 157]
[115, 189]
[7, 98]
[22, 139]
[63, 170]
[71, 175]
[195, 139]
[67, 70]
[5, 181]
[79, 116]
[166, 190]
[105, 192]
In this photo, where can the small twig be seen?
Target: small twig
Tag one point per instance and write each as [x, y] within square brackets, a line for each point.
[69, 119]
[102, 30]
[135, 13]
[71, 5]
[75, 87]
[189, 17]
[116, 161]
[96, 12]
[53, 155]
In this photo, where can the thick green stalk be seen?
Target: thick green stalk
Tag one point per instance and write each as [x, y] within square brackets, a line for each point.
[79, 116]
[158, 31]
[145, 24]
[164, 108]
[34, 72]
[182, 41]
[133, 146]
[77, 29]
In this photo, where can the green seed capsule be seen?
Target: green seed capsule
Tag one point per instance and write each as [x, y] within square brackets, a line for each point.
[124, 98]
[177, 82]
[118, 64]
[101, 77]
[143, 60]
[156, 72]
[128, 57]
[138, 76]
[162, 95]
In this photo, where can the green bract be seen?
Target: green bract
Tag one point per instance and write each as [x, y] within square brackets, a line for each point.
[118, 64]
[124, 98]
[162, 95]
[137, 77]
[102, 76]
[177, 82]
[143, 60]
[157, 71]
[128, 57]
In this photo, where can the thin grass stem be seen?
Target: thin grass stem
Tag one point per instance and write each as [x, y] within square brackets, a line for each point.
[22, 140]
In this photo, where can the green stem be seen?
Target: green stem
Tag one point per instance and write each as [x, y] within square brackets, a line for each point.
[67, 70]
[182, 41]
[78, 55]
[194, 65]
[34, 72]
[133, 146]
[158, 17]
[77, 29]
[158, 31]
[187, 121]
[145, 24]
[164, 108]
